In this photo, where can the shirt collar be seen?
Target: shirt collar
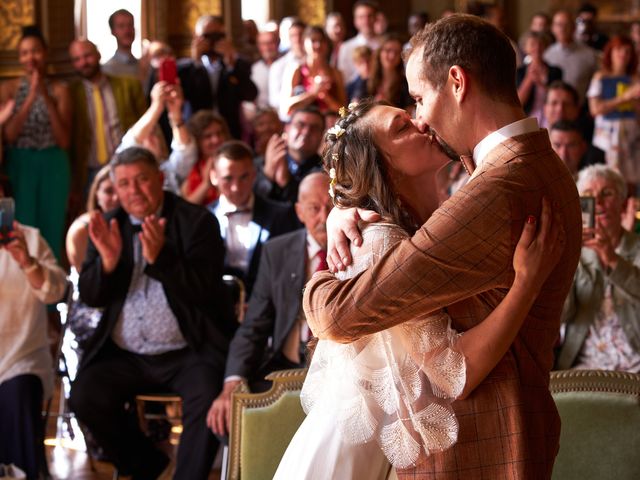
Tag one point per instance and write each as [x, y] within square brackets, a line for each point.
[137, 221]
[125, 57]
[491, 141]
[100, 84]
[225, 207]
[313, 247]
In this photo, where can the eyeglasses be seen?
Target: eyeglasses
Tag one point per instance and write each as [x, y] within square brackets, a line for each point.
[313, 127]
[607, 193]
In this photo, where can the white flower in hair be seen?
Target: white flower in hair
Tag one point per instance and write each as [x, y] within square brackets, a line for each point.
[332, 176]
[336, 130]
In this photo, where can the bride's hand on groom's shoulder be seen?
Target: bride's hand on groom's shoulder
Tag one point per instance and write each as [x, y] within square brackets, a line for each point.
[342, 229]
[540, 247]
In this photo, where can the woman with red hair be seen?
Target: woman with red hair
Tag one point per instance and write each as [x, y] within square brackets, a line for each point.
[614, 101]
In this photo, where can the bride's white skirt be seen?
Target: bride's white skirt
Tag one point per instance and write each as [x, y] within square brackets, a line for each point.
[317, 452]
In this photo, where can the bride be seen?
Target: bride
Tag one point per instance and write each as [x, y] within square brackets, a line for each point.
[385, 399]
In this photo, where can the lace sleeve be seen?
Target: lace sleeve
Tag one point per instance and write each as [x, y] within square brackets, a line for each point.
[394, 386]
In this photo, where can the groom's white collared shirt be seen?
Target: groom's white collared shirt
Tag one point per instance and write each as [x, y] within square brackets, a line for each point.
[491, 141]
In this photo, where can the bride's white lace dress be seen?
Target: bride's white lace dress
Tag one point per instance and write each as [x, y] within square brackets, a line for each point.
[383, 399]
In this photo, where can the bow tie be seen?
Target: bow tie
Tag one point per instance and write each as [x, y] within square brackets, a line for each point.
[136, 227]
[467, 163]
[240, 210]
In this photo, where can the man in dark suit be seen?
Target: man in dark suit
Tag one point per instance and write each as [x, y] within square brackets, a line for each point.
[166, 324]
[246, 220]
[216, 78]
[274, 311]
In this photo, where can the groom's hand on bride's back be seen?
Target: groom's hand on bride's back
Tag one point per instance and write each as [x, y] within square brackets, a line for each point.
[342, 229]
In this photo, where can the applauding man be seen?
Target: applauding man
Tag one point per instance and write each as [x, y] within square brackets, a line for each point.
[155, 266]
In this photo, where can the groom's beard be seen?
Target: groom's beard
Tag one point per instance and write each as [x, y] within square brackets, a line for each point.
[446, 148]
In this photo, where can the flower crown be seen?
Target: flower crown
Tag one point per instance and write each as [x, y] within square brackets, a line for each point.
[337, 131]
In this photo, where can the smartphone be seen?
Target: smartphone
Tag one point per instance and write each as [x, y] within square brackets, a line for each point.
[168, 71]
[7, 212]
[588, 207]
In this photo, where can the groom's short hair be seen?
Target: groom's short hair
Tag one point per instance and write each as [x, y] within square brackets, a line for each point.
[474, 44]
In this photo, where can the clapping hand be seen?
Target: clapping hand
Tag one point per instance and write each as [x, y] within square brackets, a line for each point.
[275, 160]
[6, 110]
[152, 237]
[107, 239]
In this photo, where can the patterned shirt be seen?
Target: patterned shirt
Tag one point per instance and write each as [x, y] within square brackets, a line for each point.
[147, 324]
[36, 131]
[607, 346]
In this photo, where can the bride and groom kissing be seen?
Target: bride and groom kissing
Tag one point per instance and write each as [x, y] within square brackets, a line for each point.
[485, 273]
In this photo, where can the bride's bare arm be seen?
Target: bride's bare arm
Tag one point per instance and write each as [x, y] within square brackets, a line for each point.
[535, 257]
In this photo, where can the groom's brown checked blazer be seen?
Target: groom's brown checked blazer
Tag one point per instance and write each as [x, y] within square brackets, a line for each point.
[461, 259]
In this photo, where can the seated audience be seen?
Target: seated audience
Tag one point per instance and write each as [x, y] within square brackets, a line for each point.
[37, 136]
[274, 333]
[614, 98]
[30, 279]
[146, 133]
[246, 220]
[166, 324]
[388, 81]
[315, 82]
[533, 77]
[569, 144]
[102, 197]
[288, 160]
[357, 89]
[209, 131]
[600, 320]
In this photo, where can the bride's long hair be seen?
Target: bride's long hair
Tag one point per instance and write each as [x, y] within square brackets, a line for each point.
[360, 176]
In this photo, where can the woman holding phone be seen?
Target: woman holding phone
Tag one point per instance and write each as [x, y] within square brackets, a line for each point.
[30, 278]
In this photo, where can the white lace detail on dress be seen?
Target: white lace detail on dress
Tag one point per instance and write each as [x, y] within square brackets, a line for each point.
[395, 386]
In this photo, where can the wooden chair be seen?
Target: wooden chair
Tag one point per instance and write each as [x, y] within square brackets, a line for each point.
[262, 426]
[600, 413]
[237, 293]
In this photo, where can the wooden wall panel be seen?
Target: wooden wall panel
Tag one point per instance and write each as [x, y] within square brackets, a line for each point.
[181, 18]
[55, 19]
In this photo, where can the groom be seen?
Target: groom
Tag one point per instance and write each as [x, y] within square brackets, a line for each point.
[461, 72]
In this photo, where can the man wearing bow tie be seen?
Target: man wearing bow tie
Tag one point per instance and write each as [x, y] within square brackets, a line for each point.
[246, 220]
[155, 266]
[274, 334]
